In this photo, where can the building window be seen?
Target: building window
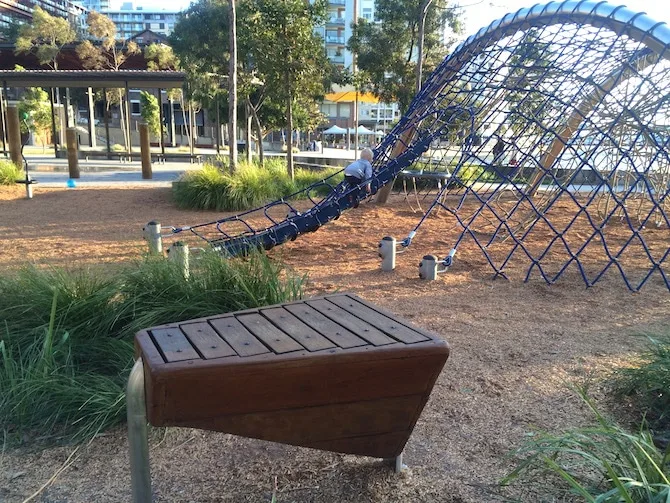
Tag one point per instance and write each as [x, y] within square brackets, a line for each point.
[134, 107]
[367, 14]
[162, 26]
[329, 109]
[147, 26]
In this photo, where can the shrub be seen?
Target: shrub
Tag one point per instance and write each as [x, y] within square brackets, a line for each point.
[248, 187]
[648, 385]
[117, 147]
[66, 338]
[603, 464]
[9, 173]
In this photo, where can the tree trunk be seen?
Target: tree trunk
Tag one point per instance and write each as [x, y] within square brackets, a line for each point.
[232, 87]
[259, 133]
[248, 132]
[289, 119]
[173, 128]
[422, 28]
[122, 121]
[183, 115]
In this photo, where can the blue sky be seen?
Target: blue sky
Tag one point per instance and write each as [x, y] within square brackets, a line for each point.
[478, 13]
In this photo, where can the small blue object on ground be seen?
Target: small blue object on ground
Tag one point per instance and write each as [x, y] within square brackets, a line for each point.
[71, 184]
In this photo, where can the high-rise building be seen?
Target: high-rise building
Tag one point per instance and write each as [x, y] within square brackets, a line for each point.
[338, 107]
[96, 5]
[337, 29]
[12, 11]
[130, 20]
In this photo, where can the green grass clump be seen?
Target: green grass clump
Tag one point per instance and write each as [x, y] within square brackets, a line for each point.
[66, 338]
[9, 173]
[600, 464]
[648, 385]
[215, 188]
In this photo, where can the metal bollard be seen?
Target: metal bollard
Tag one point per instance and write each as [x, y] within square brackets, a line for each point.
[29, 187]
[152, 233]
[428, 267]
[387, 253]
[178, 253]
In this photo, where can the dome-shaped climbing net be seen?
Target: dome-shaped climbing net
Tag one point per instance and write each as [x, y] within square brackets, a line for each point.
[554, 125]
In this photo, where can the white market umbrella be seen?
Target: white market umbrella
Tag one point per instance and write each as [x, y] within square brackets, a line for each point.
[335, 130]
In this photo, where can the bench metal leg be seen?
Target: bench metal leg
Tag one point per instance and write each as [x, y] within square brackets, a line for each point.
[398, 465]
[140, 474]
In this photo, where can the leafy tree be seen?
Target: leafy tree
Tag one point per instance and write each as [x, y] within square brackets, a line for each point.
[287, 53]
[35, 104]
[150, 113]
[45, 37]
[162, 57]
[109, 54]
[387, 50]
[529, 64]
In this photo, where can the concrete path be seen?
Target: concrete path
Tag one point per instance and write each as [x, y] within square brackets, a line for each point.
[51, 172]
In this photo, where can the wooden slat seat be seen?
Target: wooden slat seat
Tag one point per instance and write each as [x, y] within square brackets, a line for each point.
[333, 373]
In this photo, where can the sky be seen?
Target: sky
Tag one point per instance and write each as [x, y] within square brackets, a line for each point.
[478, 13]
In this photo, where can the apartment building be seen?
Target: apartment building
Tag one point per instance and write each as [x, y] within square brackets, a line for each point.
[12, 11]
[130, 20]
[96, 5]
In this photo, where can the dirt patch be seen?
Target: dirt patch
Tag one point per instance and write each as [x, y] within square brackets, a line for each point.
[515, 347]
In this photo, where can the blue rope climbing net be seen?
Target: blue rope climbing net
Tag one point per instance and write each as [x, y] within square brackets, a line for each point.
[552, 129]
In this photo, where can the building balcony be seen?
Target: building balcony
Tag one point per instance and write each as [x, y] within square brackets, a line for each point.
[336, 20]
[337, 59]
[335, 40]
[337, 2]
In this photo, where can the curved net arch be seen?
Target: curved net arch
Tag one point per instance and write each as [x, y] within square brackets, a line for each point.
[553, 126]
[568, 142]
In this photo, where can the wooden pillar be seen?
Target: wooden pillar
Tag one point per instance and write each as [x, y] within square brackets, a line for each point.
[145, 150]
[72, 155]
[54, 131]
[91, 120]
[106, 116]
[67, 107]
[14, 134]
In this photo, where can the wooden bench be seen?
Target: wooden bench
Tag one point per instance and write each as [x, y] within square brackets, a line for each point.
[333, 373]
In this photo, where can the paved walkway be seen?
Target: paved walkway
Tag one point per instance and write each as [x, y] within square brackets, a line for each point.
[51, 172]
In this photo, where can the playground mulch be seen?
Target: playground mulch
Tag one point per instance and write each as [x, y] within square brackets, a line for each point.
[516, 348]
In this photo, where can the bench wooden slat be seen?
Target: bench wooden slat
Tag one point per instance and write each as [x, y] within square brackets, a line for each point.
[174, 345]
[305, 335]
[356, 325]
[318, 321]
[278, 341]
[239, 338]
[385, 324]
[207, 341]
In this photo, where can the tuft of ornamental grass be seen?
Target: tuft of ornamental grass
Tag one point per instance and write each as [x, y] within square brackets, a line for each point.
[66, 338]
[647, 386]
[9, 172]
[599, 464]
[250, 186]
